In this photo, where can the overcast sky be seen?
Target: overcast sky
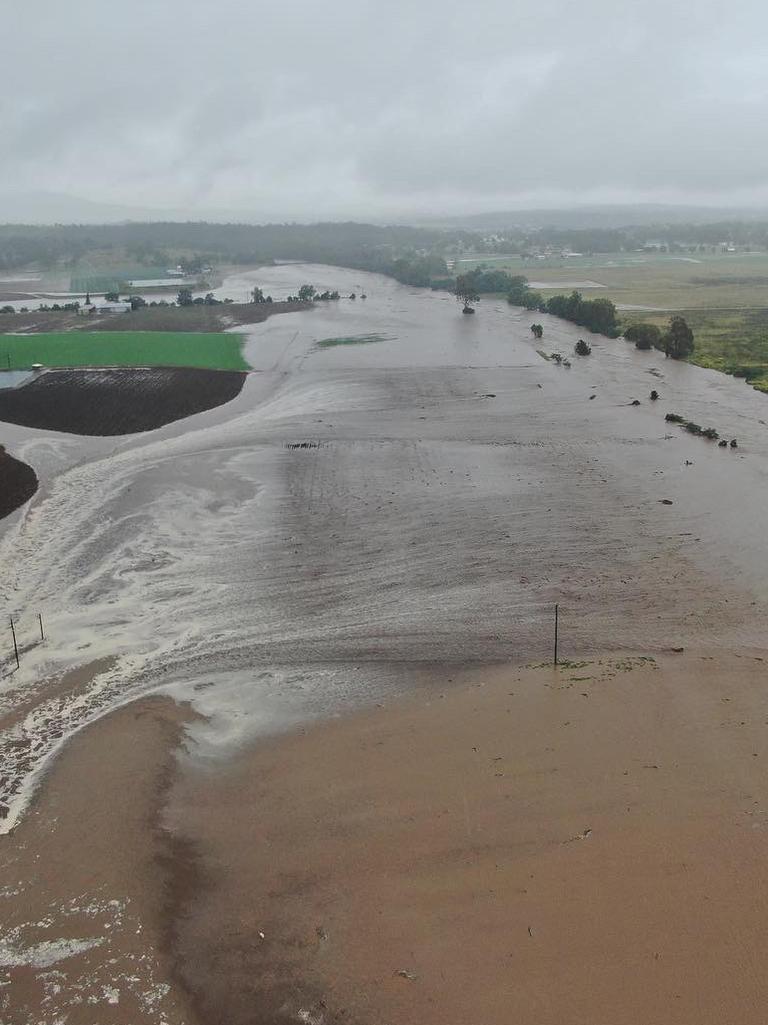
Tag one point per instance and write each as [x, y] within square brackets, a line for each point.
[384, 108]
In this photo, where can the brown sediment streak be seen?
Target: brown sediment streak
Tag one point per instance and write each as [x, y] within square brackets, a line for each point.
[184, 882]
[18, 483]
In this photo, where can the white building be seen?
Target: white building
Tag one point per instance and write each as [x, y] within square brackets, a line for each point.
[103, 307]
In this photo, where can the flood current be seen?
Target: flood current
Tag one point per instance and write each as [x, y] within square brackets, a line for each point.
[368, 517]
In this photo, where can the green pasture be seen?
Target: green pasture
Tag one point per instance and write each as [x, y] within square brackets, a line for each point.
[668, 282]
[123, 349]
[732, 341]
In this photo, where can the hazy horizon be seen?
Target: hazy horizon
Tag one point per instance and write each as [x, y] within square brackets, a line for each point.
[359, 112]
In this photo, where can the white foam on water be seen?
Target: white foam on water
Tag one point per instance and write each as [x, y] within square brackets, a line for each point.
[45, 954]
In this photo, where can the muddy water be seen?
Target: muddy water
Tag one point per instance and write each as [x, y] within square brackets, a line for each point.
[455, 485]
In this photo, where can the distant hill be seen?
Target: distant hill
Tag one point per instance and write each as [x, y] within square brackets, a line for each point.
[598, 217]
[19, 207]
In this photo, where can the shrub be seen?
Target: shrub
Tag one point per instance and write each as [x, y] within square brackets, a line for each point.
[582, 349]
[674, 418]
[645, 336]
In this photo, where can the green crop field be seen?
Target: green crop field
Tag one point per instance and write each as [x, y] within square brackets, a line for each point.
[123, 349]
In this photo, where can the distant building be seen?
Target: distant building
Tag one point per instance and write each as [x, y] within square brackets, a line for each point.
[97, 309]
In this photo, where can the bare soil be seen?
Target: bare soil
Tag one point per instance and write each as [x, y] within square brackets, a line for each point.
[118, 401]
[18, 483]
[150, 318]
[192, 318]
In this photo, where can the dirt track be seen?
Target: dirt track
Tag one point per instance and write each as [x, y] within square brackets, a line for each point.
[122, 401]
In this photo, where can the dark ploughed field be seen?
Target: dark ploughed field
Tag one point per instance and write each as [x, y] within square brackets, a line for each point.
[18, 483]
[124, 401]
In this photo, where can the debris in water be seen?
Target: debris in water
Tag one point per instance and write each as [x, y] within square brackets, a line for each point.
[584, 835]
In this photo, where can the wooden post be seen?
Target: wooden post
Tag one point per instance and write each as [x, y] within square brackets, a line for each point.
[557, 616]
[40, 620]
[15, 645]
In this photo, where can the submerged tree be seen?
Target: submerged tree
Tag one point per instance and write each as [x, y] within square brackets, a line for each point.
[466, 292]
[307, 293]
[582, 348]
[257, 296]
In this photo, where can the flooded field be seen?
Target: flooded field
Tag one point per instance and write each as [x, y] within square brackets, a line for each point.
[362, 514]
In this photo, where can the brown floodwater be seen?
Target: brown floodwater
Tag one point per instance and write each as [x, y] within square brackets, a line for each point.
[361, 513]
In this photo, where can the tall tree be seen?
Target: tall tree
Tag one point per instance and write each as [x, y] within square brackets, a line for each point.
[678, 342]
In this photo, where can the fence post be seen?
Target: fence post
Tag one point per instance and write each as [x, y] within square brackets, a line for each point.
[557, 616]
[40, 620]
[15, 645]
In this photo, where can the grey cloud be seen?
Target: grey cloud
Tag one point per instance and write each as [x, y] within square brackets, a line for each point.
[372, 108]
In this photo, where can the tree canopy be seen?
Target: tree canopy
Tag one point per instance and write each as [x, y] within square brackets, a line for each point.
[645, 336]
[678, 341]
[466, 292]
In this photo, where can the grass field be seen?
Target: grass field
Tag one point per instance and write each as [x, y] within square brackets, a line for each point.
[698, 281]
[723, 296]
[123, 349]
[733, 341]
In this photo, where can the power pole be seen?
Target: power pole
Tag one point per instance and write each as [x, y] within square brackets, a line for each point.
[15, 645]
[557, 616]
